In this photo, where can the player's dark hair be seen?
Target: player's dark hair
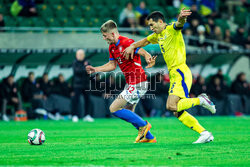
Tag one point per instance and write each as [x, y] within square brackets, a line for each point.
[129, 3]
[11, 75]
[108, 26]
[31, 73]
[155, 16]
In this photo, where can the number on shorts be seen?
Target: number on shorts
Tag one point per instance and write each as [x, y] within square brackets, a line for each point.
[131, 89]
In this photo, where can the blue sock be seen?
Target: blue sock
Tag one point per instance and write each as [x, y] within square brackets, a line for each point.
[130, 116]
[148, 136]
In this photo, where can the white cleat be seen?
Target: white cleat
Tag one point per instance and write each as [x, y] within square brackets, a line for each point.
[59, 116]
[207, 103]
[5, 118]
[52, 117]
[75, 118]
[88, 118]
[41, 111]
[205, 137]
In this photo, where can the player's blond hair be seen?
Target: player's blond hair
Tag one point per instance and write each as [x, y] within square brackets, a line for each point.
[109, 26]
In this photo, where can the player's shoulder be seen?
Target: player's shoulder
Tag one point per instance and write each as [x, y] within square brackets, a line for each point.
[153, 34]
[111, 47]
[122, 38]
[126, 39]
[170, 26]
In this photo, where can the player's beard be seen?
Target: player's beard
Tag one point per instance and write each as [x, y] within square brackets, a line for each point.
[109, 42]
[157, 32]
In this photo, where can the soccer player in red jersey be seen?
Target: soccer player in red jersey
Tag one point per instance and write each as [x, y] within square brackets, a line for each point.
[136, 80]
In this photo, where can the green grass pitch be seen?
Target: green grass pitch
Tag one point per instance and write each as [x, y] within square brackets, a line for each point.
[109, 142]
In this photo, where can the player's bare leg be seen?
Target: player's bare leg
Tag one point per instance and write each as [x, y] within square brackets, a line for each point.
[188, 120]
[118, 104]
[172, 103]
[130, 107]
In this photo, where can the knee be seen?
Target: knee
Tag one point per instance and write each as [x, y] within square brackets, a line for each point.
[172, 107]
[113, 108]
[129, 107]
[176, 114]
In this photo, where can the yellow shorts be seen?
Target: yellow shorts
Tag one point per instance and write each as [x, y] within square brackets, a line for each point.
[180, 81]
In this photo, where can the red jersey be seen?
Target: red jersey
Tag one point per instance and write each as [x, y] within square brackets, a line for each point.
[132, 69]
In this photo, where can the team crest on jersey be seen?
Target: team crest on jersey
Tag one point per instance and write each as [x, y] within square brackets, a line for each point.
[120, 48]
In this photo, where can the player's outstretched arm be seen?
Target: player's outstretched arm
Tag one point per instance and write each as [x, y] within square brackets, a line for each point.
[129, 51]
[110, 66]
[149, 59]
[183, 17]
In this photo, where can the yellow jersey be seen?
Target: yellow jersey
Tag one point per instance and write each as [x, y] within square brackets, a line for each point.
[172, 45]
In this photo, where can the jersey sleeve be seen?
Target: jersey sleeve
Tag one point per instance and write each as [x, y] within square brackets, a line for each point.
[152, 38]
[136, 50]
[177, 28]
[111, 57]
[172, 27]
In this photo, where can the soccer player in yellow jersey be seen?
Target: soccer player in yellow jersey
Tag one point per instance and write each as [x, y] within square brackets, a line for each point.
[170, 40]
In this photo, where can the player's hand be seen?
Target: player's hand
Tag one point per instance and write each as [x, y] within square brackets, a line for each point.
[90, 69]
[184, 14]
[151, 61]
[128, 52]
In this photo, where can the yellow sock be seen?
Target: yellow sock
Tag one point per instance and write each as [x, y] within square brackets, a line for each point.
[191, 122]
[187, 103]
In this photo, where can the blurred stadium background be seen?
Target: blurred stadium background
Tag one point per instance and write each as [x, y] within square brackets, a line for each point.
[44, 38]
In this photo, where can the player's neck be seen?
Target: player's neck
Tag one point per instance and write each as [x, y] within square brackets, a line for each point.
[163, 27]
[117, 39]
